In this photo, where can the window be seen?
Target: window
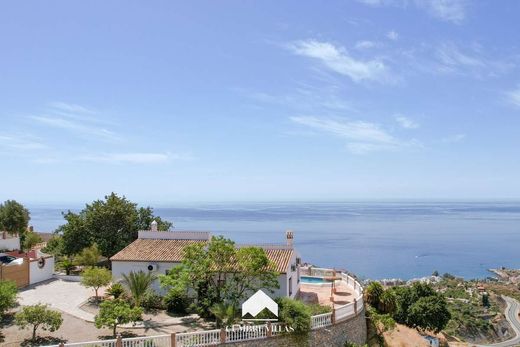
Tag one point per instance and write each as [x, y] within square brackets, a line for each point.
[290, 286]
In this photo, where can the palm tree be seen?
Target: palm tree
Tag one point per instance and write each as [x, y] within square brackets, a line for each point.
[373, 293]
[388, 301]
[225, 314]
[138, 284]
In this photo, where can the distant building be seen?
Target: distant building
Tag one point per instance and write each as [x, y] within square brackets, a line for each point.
[158, 251]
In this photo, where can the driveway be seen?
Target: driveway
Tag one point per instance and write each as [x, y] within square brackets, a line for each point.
[59, 294]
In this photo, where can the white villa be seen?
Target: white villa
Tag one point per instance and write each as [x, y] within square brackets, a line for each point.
[159, 251]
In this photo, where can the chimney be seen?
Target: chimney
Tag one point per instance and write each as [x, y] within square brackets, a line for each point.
[153, 226]
[289, 234]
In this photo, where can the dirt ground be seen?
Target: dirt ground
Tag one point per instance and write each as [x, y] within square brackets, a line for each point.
[403, 336]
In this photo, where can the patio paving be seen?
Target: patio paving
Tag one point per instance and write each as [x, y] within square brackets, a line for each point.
[315, 294]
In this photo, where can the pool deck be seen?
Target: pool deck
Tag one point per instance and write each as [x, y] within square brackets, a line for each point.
[320, 294]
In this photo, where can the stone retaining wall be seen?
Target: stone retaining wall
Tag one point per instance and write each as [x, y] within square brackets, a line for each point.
[352, 330]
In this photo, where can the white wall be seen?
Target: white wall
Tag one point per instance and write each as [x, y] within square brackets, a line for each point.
[37, 274]
[294, 275]
[12, 243]
[124, 267]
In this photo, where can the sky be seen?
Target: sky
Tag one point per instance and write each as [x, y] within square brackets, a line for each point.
[259, 100]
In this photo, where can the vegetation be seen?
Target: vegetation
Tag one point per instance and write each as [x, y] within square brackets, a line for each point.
[295, 314]
[31, 239]
[176, 302]
[67, 265]
[116, 312]
[14, 218]
[116, 290]
[8, 293]
[89, 256]
[38, 316]
[138, 284]
[225, 314]
[111, 223]
[218, 272]
[96, 278]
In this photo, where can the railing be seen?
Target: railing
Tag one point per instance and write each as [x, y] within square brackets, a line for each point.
[152, 341]
[244, 334]
[321, 320]
[220, 336]
[198, 338]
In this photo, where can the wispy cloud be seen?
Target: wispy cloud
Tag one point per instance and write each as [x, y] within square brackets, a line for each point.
[453, 11]
[451, 57]
[362, 137]
[129, 158]
[513, 96]
[20, 142]
[366, 44]
[392, 35]
[447, 10]
[337, 59]
[406, 122]
[75, 118]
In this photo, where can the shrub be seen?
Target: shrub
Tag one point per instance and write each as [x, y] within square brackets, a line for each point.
[116, 290]
[8, 292]
[176, 302]
[295, 314]
[152, 301]
[319, 309]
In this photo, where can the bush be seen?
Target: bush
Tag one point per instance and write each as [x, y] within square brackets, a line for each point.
[176, 302]
[152, 301]
[295, 314]
[96, 278]
[116, 290]
[319, 309]
[8, 292]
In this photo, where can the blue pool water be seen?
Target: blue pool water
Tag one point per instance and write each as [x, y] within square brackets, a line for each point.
[316, 280]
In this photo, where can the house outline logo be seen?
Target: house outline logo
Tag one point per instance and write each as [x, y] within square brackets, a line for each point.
[257, 303]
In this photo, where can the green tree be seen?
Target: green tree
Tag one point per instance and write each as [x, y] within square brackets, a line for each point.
[111, 223]
[115, 312]
[218, 272]
[96, 278]
[67, 265]
[14, 218]
[373, 293]
[30, 240]
[8, 293]
[54, 245]
[89, 256]
[138, 284]
[388, 302]
[37, 316]
[485, 300]
[429, 313]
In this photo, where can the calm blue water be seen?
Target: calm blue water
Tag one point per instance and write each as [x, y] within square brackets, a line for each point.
[374, 240]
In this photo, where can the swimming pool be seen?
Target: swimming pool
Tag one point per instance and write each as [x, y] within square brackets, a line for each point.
[313, 280]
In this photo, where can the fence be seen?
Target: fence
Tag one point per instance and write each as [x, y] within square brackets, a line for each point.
[247, 333]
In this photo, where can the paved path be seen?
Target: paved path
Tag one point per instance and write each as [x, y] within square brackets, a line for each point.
[512, 312]
[62, 295]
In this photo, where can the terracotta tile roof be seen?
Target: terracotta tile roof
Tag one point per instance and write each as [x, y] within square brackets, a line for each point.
[154, 250]
[159, 250]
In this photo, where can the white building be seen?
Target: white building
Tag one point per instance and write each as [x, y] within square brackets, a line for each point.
[159, 251]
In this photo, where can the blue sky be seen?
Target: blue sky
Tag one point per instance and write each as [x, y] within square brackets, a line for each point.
[268, 100]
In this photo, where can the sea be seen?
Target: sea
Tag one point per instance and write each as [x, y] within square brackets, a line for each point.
[374, 240]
